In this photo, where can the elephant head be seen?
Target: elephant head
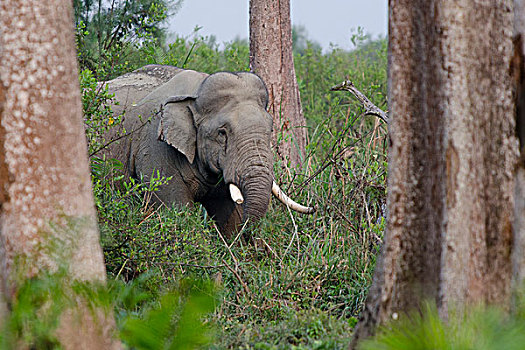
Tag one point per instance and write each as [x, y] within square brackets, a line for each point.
[225, 131]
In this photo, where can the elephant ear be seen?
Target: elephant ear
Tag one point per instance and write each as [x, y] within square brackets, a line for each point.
[176, 126]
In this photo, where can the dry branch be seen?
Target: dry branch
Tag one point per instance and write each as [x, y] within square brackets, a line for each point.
[370, 108]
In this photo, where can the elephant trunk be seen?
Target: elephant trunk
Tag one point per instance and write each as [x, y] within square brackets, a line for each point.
[253, 177]
[257, 193]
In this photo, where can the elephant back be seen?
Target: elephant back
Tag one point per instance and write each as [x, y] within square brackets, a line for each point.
[184, 84]
[131, 88]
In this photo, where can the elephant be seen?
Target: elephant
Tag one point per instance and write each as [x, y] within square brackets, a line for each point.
[209, 133]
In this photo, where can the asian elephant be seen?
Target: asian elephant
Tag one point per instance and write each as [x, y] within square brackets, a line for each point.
[209, 133]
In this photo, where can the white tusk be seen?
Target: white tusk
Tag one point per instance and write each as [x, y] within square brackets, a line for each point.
[236, 194]
[277, 192]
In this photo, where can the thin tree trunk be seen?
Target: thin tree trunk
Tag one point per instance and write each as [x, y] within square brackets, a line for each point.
[47, 213]
[271, 57]
[451, 160]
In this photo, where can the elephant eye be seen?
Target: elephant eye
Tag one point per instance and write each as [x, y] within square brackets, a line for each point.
[221, 135]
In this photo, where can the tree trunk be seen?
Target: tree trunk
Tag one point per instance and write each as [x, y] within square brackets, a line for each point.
[448, 237]
[271, 57]
[518, 70]
[47, 213]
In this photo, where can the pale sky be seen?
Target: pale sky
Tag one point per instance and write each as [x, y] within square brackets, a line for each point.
[326, 21]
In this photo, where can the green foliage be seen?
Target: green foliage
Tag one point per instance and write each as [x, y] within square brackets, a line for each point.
[174, 318]
[484, 328]
[22, 326]
[318, 72]
[171, 324]
[110, 35]
[205, 55]
[305, 329]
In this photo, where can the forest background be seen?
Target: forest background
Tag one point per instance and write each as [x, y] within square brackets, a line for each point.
[304, 280]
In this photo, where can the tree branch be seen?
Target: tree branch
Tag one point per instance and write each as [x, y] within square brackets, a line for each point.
[370, 108]
[118, 138]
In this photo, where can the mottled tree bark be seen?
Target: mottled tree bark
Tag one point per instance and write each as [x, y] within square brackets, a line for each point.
[448, 237]
[271, 57]
[47, 213]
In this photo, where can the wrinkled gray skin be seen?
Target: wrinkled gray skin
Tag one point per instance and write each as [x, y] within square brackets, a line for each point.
[206, 132]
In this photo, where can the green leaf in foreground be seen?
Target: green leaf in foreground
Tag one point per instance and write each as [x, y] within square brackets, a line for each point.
[175, 322]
